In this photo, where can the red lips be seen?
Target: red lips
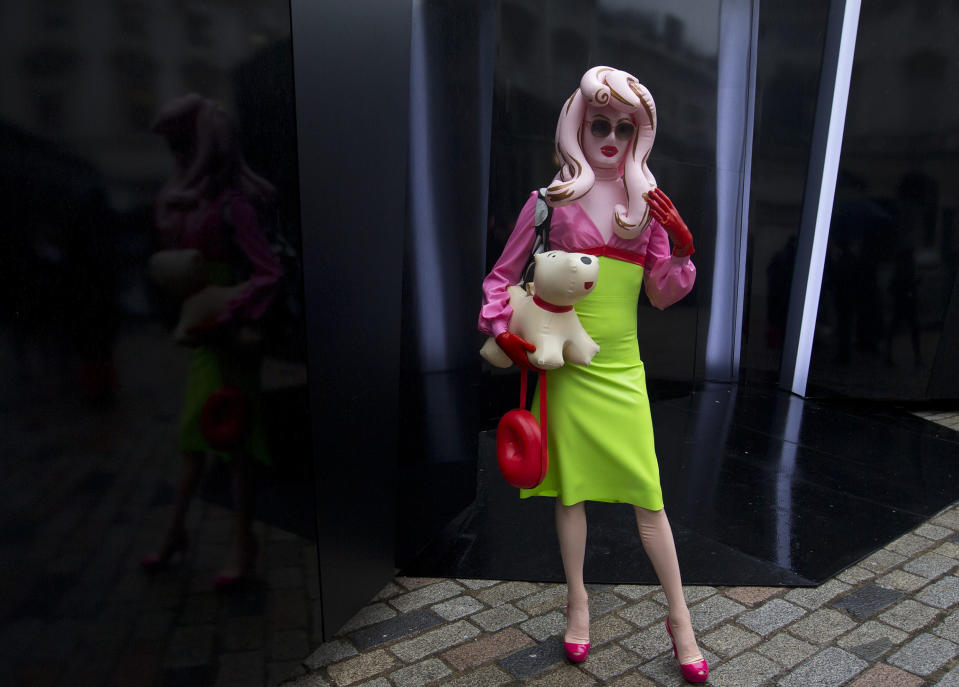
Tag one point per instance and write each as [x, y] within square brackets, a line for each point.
[588, 285]
[609, 151]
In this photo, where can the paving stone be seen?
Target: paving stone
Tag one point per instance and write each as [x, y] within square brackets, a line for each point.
[950, 549]
[543, 626]
[643, 613]
[855, 575]
[909, 615]
[477, 584]
[948, 628]
[368, 615]
[534, 660]
[486, 648]
[394, 628]
[750, 596]
[634, 592]
[822, 626]
[457, 607]
[933, 532]
[499, 617]
[950, 679]
[631, 679]
[552, 597]
[506, 592]
[649, 643]
[871, 640]
[729, 640]
[602, 603]
[390, 590]
[190, 646]
[420, 674]
[901, 580]
[316, 680]
[884, 675]
[608, 628]
[361, 667]
[771, 616]
[412, 583]
[425, 596]
[691, 593]
[954, 538]
[289, 645]
[924, 654]
[941, 594]
[746, 670]
[812, 598]
[947, 518]
[566, 676]
[930, 565]
[435, 640]
[786, 649]
[487, 676]
[867, 601]
[909, 545]
[829, 668]
[330, 652]
[713, 611]
[610, 661]
[882, 560]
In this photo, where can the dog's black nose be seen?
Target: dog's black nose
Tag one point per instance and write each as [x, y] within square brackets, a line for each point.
[585, 260]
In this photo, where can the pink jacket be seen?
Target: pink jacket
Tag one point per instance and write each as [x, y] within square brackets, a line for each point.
[667, 278]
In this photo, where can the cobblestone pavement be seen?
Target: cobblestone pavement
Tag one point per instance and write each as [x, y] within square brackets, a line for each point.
[889, 621]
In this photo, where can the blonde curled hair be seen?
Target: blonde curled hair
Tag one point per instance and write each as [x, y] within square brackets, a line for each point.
[601, 87]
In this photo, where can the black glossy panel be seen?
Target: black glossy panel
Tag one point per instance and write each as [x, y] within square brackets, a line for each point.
[789, 59]
[888, 322]
[92, 383]
[761, 489]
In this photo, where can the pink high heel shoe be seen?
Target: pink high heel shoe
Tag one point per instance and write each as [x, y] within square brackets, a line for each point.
[575, 651]
[697, 671]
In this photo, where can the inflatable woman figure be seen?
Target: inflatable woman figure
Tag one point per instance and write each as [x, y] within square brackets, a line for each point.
[209, 207]
[600, 433]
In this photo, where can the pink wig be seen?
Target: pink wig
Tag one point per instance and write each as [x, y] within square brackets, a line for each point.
[602, 87]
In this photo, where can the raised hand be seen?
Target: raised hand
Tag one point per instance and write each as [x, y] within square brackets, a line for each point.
[667, 215]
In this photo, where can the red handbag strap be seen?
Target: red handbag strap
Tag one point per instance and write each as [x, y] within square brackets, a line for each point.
[542, 405]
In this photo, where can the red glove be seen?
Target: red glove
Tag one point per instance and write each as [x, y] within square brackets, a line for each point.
[667, 215]
[516, 348]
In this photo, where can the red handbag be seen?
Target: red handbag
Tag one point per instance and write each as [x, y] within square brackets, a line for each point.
[521, 441]
[225, 418]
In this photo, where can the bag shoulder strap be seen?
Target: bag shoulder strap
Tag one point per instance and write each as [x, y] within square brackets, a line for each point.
[542, 218]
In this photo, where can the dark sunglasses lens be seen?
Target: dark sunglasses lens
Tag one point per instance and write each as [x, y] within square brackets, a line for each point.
[624, 131]
[600, 128]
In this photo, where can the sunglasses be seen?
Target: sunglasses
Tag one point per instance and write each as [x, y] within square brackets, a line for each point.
[600, 128]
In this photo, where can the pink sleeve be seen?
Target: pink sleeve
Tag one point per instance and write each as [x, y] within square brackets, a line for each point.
[495, 313]
[667, 277]
[267, 271]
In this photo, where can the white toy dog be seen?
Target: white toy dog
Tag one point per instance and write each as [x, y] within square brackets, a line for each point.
[547, 319]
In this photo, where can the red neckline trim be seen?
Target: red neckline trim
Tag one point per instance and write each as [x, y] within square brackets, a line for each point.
[617, 253]
[549, 306]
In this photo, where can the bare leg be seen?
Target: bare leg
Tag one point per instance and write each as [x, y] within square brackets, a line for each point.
[243, 556]
[191, 470]
[571, 529]
[658, 542]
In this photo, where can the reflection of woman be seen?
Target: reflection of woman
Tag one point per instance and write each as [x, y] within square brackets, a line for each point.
[210, 205]
[600, 431]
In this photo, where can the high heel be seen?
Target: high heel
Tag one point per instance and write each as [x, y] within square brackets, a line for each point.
[575, 651]
[695, 671]
[174, 545]
[227, 581]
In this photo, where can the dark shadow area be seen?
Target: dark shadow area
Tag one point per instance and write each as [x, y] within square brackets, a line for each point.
[762, 489]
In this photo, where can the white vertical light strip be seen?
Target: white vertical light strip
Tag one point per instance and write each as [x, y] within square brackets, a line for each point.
[734, 121]
[827, 192]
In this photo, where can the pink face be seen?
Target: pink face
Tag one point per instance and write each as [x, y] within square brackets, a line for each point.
[606, 136]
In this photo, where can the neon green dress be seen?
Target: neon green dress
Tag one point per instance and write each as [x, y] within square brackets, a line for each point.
[600, 429]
